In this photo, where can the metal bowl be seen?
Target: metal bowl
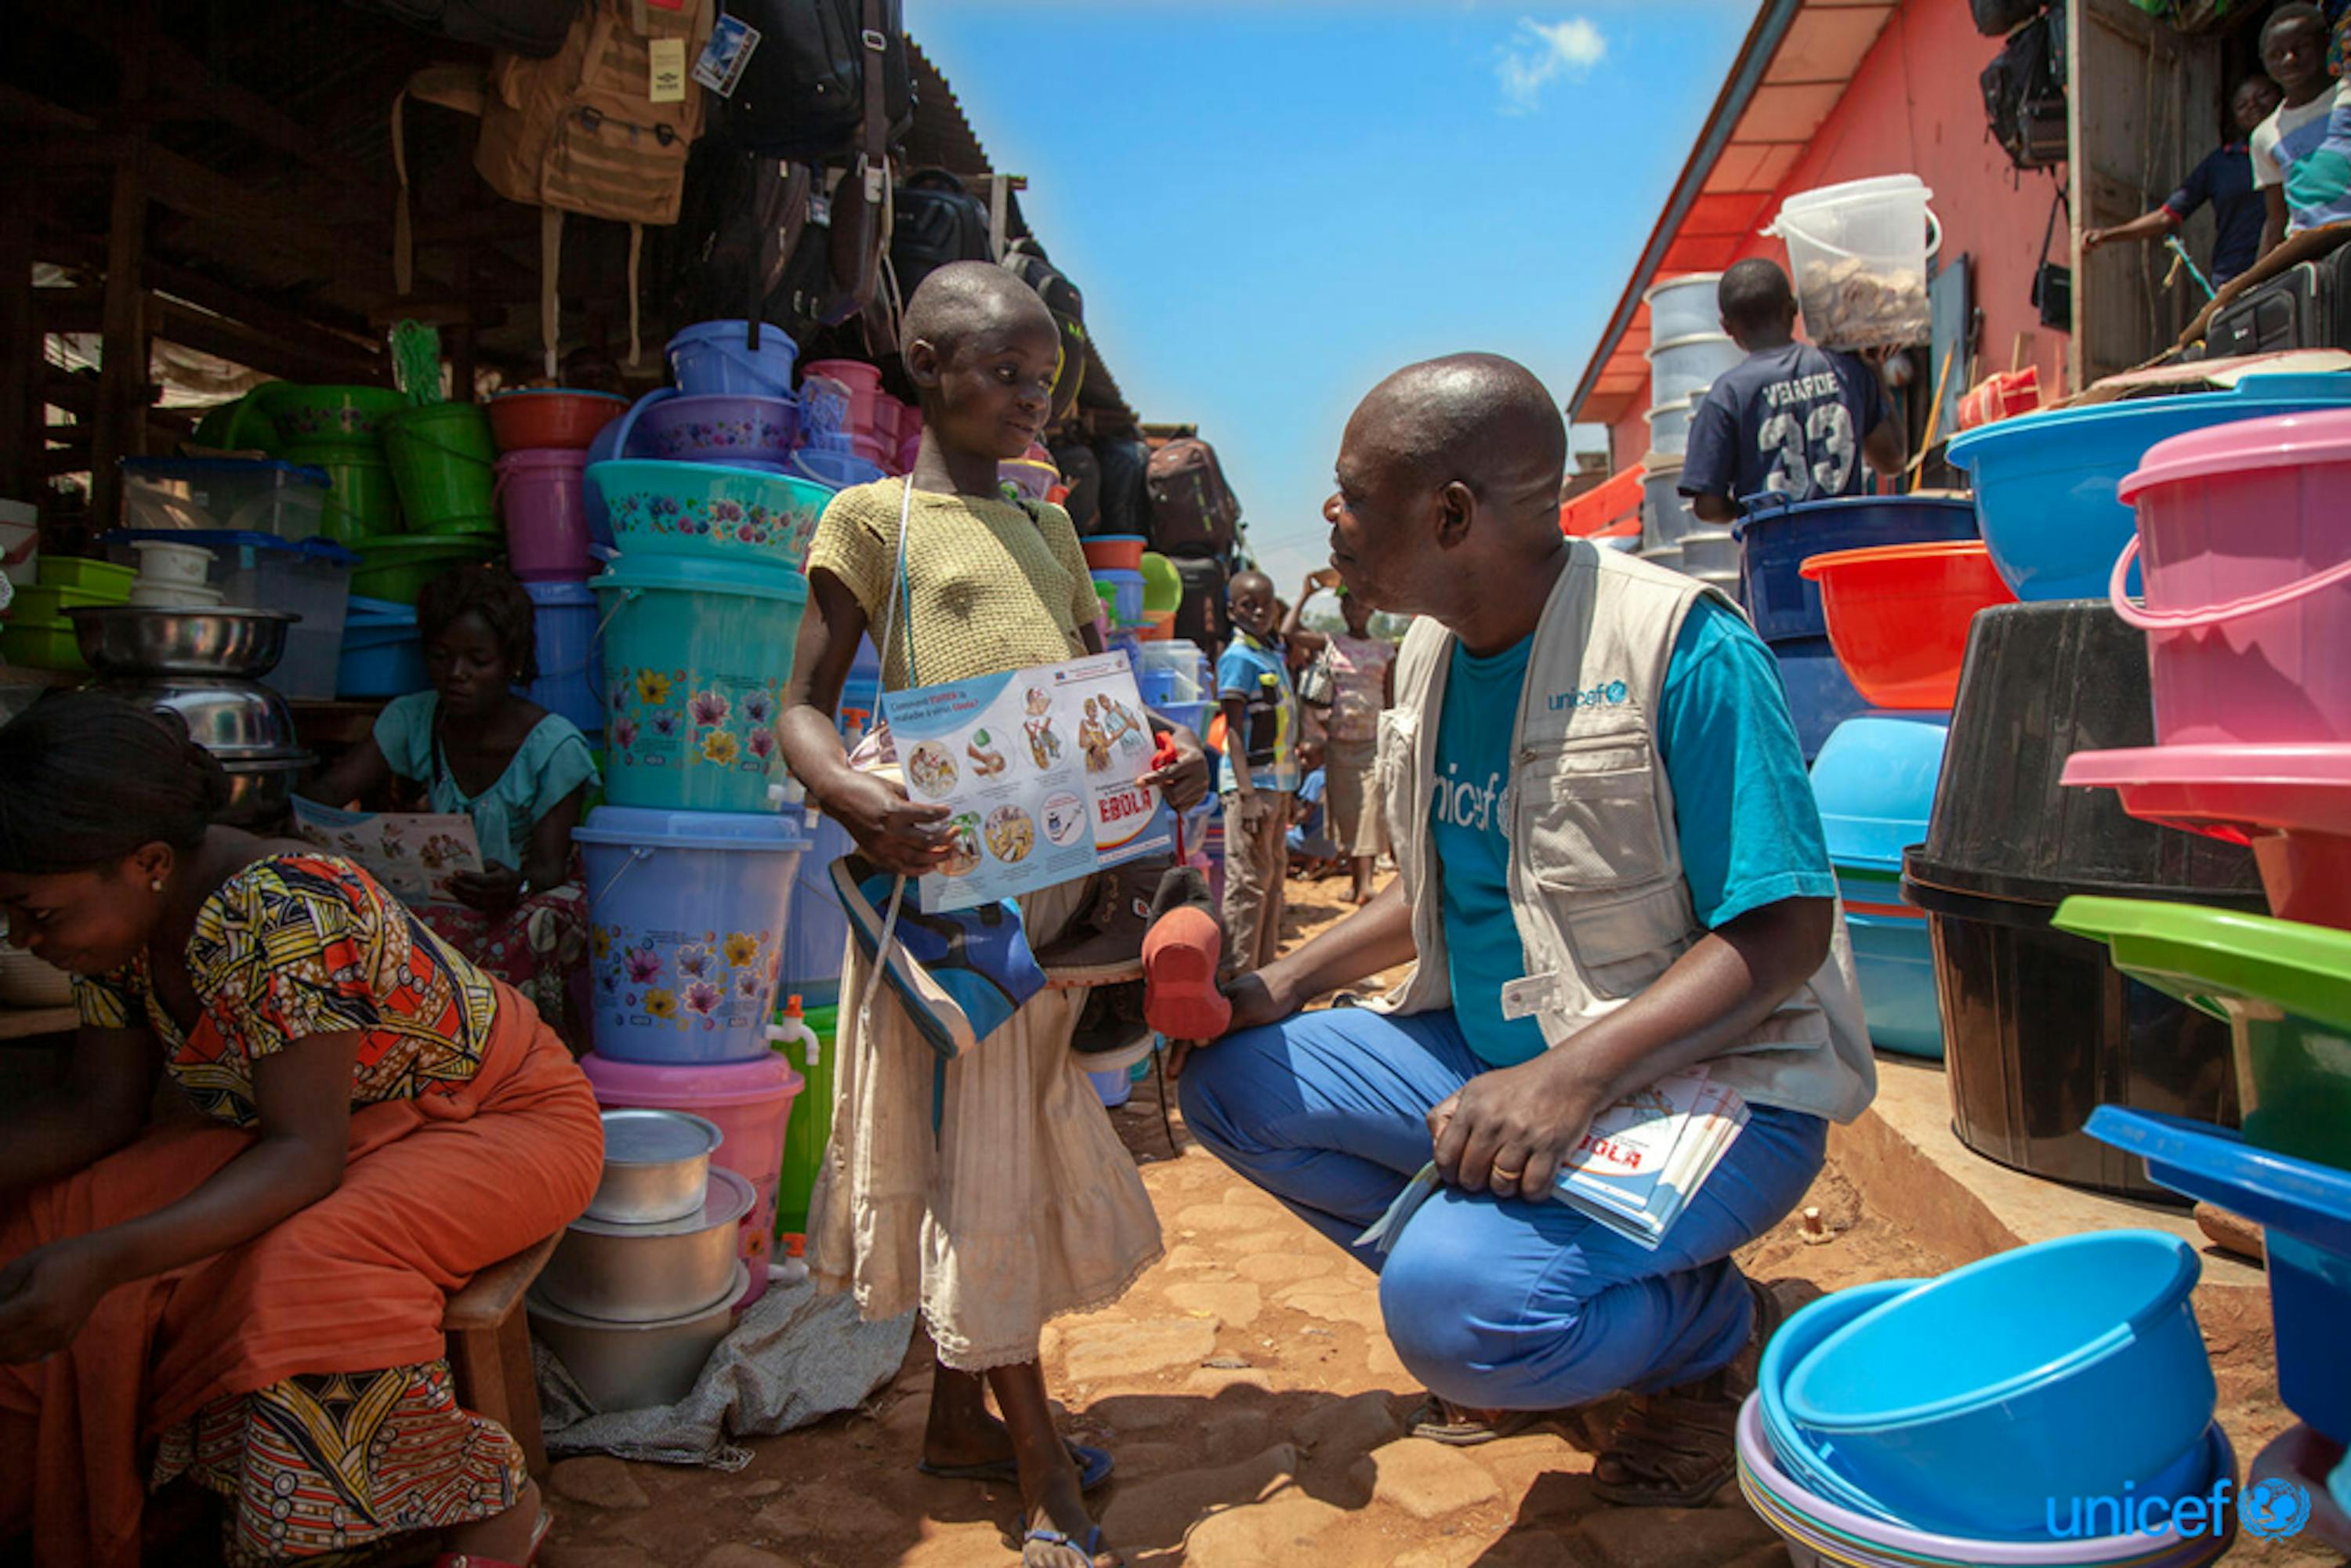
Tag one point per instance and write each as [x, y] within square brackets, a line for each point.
[644, 1273]
[234, 719]
[656, 1166]
[261, 787]
[157, 640]
[636, 1366]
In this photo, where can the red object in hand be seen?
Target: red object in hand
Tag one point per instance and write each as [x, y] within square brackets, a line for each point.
[1180, 996]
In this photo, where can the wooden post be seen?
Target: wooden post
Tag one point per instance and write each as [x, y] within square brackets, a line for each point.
[120, 426]
[20, 367]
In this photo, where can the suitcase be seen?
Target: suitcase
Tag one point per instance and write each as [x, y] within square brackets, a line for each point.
[2306, 307]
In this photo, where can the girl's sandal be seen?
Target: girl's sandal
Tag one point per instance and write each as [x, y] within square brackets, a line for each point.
[1091, 1547]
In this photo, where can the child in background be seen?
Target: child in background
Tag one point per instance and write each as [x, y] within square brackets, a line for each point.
[1261, 718]
[1311, 849]
[992, 1192]
[1362, 684]
[470, 745]
[2302, 153]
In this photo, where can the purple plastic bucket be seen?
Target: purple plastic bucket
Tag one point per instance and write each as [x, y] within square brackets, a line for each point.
[728, 428]
[710, 358]
[546, 509]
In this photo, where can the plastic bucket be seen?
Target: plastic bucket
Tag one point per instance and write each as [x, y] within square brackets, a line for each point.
[1669, 424]
[1857, 252]
[696, 653]
[381, 657]
[361, 500]
[1682, 369]
[1875, 782]
[815, 941]
[750, 1101]
[729, 428]
[706, 509]
[570, 673]
[1898, 616]
[2246, 550]
[835, 470]
[440, 458]
[1820, 696]
[1113, 1088]
[812, 1122]
[1665, 515]
[1123, 589]
[541, 492]
[716, 357]
[688, 913]
[2046, 484]
[1684, 307]
[864, 382]
[1778, 538]
[531, 419]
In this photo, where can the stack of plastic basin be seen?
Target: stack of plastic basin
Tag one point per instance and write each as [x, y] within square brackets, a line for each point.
[1875, 781]
[1776, 539]
[36, 633]
[2039, 1028]
[689, 916]
[2046, 483]
[863, 423]
[1898, 616]
[2069, 1370]
[339, 430]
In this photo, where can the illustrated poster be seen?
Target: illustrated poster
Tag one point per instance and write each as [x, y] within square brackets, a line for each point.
[413, 853]
[1038, 769]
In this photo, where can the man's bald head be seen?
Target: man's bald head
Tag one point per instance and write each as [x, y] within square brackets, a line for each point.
[1479, 419]
[963, 298]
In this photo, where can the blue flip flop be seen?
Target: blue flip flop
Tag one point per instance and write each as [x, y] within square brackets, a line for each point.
[1094, 1465]
[1091, 1546]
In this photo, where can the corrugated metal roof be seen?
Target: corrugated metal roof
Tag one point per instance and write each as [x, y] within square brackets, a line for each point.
[1795, 64]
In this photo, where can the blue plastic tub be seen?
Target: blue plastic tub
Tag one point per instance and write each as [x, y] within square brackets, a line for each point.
[835, 470]
[2304, 1209]
[1821, 696]
[687, 919]
[2044, 483]
[816, 940]
[2065, 1369]
[696, 653]
[1805, 1455]
[712, 357]
[1113, 1088]
[1874, 781]
[1778, 539]
[571, 668]
[657, 507]
[1125, 589]
[382, 653]
[1894, 959]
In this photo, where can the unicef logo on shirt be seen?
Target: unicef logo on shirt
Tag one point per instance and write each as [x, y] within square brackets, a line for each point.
[1608, 694]
[2273, 1508]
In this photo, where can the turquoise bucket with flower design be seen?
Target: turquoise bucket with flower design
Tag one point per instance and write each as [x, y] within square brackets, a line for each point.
[687, 914]
[696, 653]
[709, 510]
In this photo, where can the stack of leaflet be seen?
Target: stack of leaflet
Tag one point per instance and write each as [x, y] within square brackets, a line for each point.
[1638, 1165]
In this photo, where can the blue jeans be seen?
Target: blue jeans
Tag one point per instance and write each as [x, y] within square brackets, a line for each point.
[1497, 1304]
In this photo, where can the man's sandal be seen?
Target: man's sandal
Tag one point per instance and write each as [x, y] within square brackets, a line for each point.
[1463, 1427]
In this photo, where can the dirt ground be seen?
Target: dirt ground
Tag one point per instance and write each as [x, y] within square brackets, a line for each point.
[1257, 1414]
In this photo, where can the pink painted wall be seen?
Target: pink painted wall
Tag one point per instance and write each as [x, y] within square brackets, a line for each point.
[1915, 108]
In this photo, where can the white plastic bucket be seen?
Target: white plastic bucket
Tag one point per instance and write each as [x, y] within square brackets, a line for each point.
[1684, 307]
[1857, 252]
[1681, 369]
[1669, 425]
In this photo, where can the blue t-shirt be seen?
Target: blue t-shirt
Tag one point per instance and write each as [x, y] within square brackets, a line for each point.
[1306, 834]
[1241, 672]
[1743, 806]
[2225, 179]
[1788, 420]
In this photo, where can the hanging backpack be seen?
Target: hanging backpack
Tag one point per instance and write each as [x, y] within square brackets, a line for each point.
[535, 28]
[801, 94]
[1025, 259]
[1126, 485]
[1200, 617]
[934, 219]
[1082, 476]
[1998, 18]
[742, 218]
[2024, 94]
[1193, 512]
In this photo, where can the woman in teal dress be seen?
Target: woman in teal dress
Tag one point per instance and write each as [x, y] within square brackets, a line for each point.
[471, 745]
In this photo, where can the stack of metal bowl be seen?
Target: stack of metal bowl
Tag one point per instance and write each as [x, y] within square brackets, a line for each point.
[644, 1285]
[205, 663]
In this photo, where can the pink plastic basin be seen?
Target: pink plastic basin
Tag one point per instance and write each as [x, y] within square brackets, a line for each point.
[2244, 540]
[751, 1101]
[546, 510]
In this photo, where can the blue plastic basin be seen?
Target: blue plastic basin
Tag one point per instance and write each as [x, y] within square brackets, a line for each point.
[1805, 1458]
[2044, 483]
[656, 507]
[1780, 538]
[2065, 1369]
[1894, 959]
[1874, 781]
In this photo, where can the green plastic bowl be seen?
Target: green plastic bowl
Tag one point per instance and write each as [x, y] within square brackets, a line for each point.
[397, 567]
[1163, 586]
[309, 413]
[240, 425]
[41, 646]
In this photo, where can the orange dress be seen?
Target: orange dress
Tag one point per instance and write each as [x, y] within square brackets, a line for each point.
[300, 1375]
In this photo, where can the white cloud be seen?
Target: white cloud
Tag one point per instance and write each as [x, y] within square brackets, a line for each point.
[1541, 53]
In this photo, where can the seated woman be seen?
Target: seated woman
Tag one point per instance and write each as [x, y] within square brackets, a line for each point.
[522, 773]
[251, 1297]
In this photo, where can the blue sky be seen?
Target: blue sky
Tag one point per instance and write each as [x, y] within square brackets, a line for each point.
[1272, 205]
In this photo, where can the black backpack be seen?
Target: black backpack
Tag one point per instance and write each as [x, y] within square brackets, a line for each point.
[738, 223]
[1200, 618]
[803, 92]
[936, 219]
[1126, 485]
[1193, 509]
[1025, 259]
[1998, 18]
[1081, 473]
[2024, 94]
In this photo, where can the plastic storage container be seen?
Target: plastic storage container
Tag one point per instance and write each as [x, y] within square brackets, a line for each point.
[2246, 549]
[750, 1101]
[1898, 616]
[384, 653]
[2046, 485]
[311, 578]
[1684, 307]
[570, 664]
[543, 499]
[688, 913]
[1857, 254]
[223, 495]
[1778, 538]
[714, 357]
[696, 653]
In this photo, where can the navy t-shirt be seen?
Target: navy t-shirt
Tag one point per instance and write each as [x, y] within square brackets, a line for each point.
[1790, 420]
[2225, 179]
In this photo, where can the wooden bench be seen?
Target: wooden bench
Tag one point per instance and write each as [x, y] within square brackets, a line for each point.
[489, 1348]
